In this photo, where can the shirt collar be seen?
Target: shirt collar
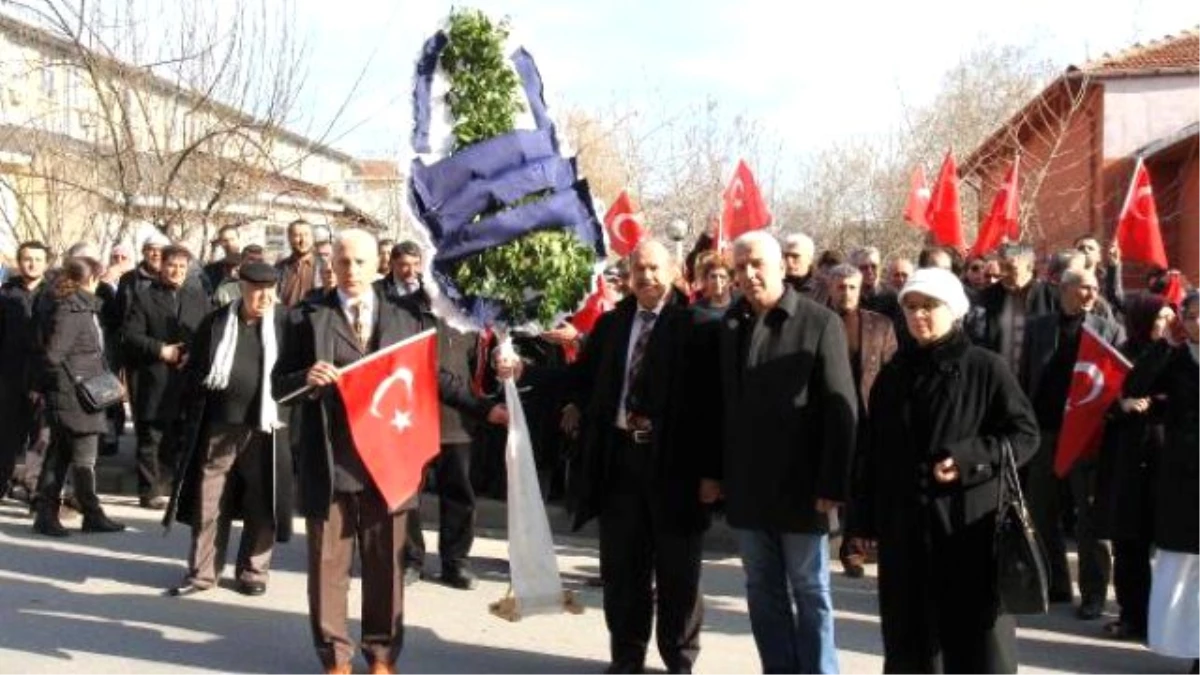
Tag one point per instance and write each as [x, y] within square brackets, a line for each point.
[367, 300]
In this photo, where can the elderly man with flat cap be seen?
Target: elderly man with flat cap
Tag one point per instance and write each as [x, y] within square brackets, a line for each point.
[231, 467]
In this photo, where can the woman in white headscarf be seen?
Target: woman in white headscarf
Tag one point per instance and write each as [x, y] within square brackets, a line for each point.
[1169, 376]
[927, 489]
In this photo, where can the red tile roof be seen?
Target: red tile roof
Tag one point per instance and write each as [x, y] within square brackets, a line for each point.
[378, 169]
[1181, 50]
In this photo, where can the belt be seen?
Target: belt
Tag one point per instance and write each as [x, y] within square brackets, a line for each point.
[635, 436]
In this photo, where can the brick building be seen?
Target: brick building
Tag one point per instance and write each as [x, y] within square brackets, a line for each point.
[1078, 141]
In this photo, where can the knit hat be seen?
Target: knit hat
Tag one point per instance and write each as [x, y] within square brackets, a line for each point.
[941, 285]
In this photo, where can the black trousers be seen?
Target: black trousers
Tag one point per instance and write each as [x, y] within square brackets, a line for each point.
[77, 453]
[16, 415]
[156, 456]
[1131, 579]
[456, 511]
[649, 568]
[1045, 507]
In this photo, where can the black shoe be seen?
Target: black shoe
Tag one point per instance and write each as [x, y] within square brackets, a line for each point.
[186, 590]
[19, 493]
[98, 522]
[153, 503]
[620, 667]
[1090, 609]
[412, 575]
[251, 587]
[460, 578]
[852, 570]
[50, 526]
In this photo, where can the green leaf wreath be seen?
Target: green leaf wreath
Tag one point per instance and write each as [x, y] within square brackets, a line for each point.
[539, 276]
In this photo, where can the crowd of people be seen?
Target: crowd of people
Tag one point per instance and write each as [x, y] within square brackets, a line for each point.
[799, 397]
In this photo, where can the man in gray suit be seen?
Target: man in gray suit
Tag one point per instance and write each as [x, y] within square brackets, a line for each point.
[1051, 345]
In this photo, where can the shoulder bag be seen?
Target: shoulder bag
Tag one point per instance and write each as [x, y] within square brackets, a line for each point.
[1021, 579]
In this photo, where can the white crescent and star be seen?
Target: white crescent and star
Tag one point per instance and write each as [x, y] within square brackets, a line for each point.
[1142, 200]
[1090, 371]
[401, 419]
[737, 191]
[617, 231]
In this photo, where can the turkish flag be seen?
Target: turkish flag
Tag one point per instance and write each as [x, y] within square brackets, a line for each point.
[1173, 292]
[624, 231]
[600, 301]
[1001, 222]
[1099, 374]
[918, 199]
[1138, 233]
[944, 215]
[744, 208]
[391, 400]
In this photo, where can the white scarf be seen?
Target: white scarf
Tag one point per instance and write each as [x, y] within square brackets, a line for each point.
[222, 365]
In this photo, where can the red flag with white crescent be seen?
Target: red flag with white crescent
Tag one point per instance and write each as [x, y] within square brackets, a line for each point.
[744, 207]
[1099, 374]
[392, 406]
[624, 231]
[918, 199]
[1138, 231]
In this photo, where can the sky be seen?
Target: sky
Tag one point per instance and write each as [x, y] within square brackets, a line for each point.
[812, 73]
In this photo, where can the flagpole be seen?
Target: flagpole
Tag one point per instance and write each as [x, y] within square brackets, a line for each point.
[369, 358]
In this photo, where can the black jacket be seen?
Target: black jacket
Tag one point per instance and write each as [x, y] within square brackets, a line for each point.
[154, 320]
[1132, 444]
[185, 493]
[18, 333]
[595, 383]
[786, 430]
[1041, 343]
[316, 332]
[73, 351]
[954, 400]
[984, 322]
[1171, 373]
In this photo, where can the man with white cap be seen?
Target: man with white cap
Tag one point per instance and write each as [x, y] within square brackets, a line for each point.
[145, 273]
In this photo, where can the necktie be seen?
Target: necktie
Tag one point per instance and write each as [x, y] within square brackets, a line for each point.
[634, 372]
[360, 330]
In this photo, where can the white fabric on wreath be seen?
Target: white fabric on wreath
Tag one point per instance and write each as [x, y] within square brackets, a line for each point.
[222, 365]
[1174, 626]
[533, 567]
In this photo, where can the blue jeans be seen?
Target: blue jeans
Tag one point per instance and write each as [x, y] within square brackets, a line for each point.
[791, 610]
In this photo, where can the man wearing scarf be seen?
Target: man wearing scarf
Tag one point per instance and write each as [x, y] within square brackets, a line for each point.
[232, 468]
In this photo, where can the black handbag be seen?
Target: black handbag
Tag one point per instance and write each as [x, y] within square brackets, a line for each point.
[98, 392]
[1021, 579]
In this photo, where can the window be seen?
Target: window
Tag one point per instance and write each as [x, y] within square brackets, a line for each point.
[48, 80]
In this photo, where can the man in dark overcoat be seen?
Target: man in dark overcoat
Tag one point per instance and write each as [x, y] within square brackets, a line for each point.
[232, 467]
[785, 441]
[158, 331]
[1047, 367]
[641, 475]
[343, 508]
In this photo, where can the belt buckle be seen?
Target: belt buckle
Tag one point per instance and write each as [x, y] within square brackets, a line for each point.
[640, 436]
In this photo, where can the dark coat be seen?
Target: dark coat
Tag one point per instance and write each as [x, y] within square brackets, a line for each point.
[1125, 468]
[18, 333]
[596, 380]
[136, 279]
[786, 430]
[810, 286]
[952, 400]
[984, 322]
[151, 323]
[185, 492]
[1171, 373]
[1041, 342]
[73, 351]
[317, 332]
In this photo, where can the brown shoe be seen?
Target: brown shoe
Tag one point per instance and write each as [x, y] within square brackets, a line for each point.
[382, 668]
[339, 669]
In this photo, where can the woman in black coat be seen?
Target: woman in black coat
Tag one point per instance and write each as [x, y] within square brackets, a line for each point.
[74, 350]
[927, 493]
[1133, 438]
[1169, 374]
